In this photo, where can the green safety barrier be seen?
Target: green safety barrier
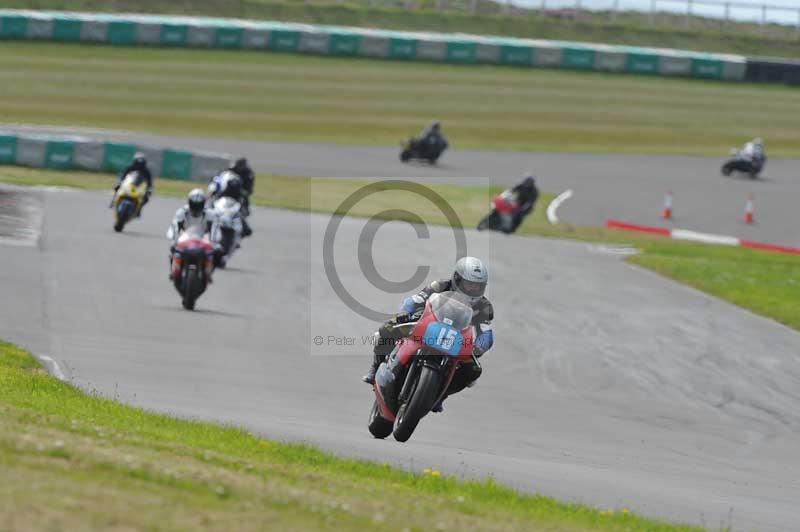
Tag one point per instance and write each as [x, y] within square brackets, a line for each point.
[516, 55]
[13, 26]
[580, 58]
[344, 44]
[174, 34]
[117, 156]
[400, 48]
[461, 52]
[228, 37]
[59, 154]
[340, 41]
[121, 33]
[8, 149]
[284, 40]
[640, 63]
[707, 68]
[67, 30]
[44, 151]
[177, 164]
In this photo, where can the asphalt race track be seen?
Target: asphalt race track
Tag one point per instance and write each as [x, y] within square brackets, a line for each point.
[629, 187]
[607, 384]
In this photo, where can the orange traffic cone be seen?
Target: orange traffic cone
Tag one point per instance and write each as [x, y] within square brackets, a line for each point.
[666, 213]
[749, 210]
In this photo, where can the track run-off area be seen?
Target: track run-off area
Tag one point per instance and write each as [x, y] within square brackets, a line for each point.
[607, 384]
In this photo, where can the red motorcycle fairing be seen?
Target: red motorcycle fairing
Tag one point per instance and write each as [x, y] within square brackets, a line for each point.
[188, 241]
[504, 204]
[412, 344]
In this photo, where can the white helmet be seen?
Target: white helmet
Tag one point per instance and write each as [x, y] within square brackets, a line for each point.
[196, 201]
[470, 278]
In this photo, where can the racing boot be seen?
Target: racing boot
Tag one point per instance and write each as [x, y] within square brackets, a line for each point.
[369, 378]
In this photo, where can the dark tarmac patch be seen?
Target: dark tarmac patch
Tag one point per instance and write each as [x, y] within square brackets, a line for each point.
[20, 216]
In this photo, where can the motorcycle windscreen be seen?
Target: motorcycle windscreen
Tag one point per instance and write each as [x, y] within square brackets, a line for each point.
[135, 178]
[193, 232]
[452, 308]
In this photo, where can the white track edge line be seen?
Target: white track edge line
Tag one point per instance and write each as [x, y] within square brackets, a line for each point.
[552, 209]
[54, 368]
[684, 234]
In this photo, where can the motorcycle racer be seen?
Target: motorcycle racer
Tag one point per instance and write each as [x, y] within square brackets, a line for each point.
[470, 277]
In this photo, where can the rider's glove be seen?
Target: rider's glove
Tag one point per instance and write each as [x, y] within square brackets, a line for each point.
[483, 343]
[403, 317]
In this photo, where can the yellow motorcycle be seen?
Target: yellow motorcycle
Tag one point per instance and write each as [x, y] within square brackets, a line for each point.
[128, 199]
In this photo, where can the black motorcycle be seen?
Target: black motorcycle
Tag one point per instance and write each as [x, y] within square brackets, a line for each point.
[423, 150]
[744, 165]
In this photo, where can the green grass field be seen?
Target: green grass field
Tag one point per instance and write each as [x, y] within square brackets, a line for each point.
[632, 28]
[257, 95]
[81, 462]
[763, 282]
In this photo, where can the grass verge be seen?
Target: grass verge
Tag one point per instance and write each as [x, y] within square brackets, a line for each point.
[629, 27]
[84, 462]
[763, 282]
[257, 95]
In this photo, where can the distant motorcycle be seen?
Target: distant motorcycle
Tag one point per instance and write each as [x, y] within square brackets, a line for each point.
[192, 265]
[418, 149]
[746, 165]
[226, 233]
[416, 375]
[128, 199]
[504, 208]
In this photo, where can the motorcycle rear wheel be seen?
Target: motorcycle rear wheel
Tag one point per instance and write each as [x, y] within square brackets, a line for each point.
[378, 426]
[418, 405]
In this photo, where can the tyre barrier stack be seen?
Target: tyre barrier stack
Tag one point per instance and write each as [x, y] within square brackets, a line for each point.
[80, 153]
[203, 32]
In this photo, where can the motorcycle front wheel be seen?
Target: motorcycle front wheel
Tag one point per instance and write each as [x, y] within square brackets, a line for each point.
[124, 212]
[191, 288]
[418, 405]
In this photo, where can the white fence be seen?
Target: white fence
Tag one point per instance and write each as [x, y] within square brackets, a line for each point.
[787, 13]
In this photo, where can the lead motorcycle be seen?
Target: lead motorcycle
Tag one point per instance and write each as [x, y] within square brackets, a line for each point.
[128, 199]
[417, 373]
[502, 213]
[192, 265]
[226, 232]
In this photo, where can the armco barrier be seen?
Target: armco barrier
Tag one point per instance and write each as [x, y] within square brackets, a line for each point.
[154, 30]
[80, 153]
